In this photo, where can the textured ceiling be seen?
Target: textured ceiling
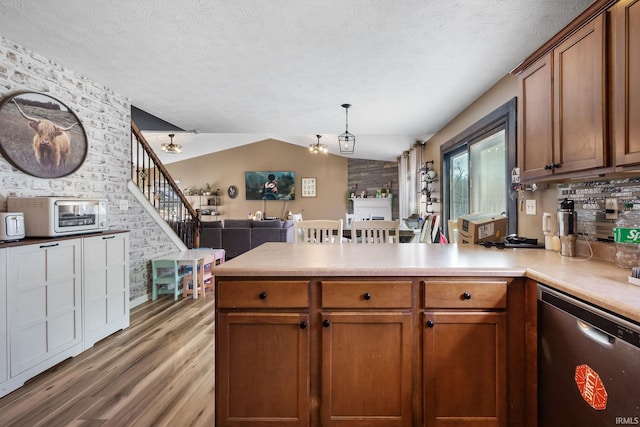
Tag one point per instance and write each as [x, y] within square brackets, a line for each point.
[240, 71]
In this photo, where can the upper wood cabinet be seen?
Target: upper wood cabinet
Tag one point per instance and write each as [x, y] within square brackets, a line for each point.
[562, 114]
[625, 36]
[579, 100]
[535, 119]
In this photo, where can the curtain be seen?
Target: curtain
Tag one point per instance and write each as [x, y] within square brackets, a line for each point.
[409, 182]
[403, 186]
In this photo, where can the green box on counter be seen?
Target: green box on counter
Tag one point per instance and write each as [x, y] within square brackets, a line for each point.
[481, 227]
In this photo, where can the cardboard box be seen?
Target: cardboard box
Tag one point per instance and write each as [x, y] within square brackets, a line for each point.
[481, 227]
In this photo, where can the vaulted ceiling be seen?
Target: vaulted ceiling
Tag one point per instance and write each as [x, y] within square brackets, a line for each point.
[234, 72]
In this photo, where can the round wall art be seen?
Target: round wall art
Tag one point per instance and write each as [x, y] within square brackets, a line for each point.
[40, 135]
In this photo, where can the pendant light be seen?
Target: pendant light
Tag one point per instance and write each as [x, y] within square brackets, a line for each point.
[172, 148]
[317, 147]
[347, 141]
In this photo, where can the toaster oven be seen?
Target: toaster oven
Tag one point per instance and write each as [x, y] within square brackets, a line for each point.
[60, 216]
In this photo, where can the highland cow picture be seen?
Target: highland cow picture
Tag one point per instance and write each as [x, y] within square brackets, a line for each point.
[40, 135]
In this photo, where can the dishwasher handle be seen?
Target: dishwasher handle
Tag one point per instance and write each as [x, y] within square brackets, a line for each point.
[595, 335]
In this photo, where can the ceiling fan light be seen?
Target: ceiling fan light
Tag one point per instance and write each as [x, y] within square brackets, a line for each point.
[318, 148]
[171, 148]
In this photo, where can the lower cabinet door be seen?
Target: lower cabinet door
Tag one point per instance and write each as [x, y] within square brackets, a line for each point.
[465, 369]
[106, 286]
[4, 348]
[366, 369]
[262, 369]
[44, 304]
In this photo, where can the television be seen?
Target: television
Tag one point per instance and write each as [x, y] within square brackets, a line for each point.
[270, 185]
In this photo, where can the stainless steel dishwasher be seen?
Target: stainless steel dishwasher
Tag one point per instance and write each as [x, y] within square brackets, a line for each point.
[588, 364]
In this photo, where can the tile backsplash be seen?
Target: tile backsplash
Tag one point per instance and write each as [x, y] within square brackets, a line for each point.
[589, 200]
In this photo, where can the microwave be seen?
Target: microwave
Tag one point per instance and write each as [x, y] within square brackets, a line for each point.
[60, 216]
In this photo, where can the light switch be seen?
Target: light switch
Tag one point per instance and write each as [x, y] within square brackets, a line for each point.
[124, 204]
[530, 207]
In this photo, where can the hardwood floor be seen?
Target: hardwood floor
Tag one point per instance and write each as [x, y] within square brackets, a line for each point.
[158, 372]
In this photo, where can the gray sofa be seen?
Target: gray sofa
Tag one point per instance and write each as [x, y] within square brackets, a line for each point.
[237, 236]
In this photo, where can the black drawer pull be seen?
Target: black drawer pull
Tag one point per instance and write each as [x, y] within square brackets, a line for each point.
[367, 296]
[466, 295]
[303, 324]
[326, 323]
[52, 245]
[430, 323]
[263, 295]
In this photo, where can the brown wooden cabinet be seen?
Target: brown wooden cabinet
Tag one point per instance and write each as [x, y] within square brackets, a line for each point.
[535, 118]
[366, 354]
[625, 82]
[373, 351]
[562, 110]
[465, 353]
[262, 353]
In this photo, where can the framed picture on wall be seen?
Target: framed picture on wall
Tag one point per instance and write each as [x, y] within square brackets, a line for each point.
[308, 187]
[40, 135]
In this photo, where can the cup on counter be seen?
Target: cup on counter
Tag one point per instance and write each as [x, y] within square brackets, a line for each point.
[549, 228]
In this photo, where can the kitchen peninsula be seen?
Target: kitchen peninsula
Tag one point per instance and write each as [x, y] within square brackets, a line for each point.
[391, 335]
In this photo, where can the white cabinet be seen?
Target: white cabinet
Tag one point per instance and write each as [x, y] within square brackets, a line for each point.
[373, 207]
[44, 305]
[105, 261]
[58, 298]
[4, 357]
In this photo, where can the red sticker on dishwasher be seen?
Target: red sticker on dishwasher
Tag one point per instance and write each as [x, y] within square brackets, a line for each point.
[591, 387]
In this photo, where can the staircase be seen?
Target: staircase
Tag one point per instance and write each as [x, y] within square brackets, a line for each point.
[162, 192]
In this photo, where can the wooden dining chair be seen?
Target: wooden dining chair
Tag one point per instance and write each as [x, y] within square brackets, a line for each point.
[168, 278]
[355, 217]
[375, 231]
[322, 231]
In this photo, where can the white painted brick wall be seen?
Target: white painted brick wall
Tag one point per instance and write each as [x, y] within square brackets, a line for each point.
[106, 117]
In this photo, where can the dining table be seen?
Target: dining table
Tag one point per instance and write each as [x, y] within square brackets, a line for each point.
[406, 234]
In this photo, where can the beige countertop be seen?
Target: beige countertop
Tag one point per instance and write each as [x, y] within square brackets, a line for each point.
[599, 282]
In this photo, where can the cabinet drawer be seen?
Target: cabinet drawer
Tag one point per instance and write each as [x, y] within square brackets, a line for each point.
[366, 294]
[263, 294]
[476, 294]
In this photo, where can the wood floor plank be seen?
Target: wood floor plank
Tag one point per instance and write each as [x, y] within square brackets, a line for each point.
[157, 372]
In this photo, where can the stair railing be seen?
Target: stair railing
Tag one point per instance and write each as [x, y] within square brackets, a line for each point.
[156, 183]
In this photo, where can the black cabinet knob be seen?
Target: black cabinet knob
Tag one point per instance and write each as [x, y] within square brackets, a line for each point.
[466, 295]
[263, 295]
[326, 323]
[555, 165]
[430, 323]
[367, 296]
[303, 324]
[547, 167]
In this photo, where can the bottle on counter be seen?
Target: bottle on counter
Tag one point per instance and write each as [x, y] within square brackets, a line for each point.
[626, 236]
